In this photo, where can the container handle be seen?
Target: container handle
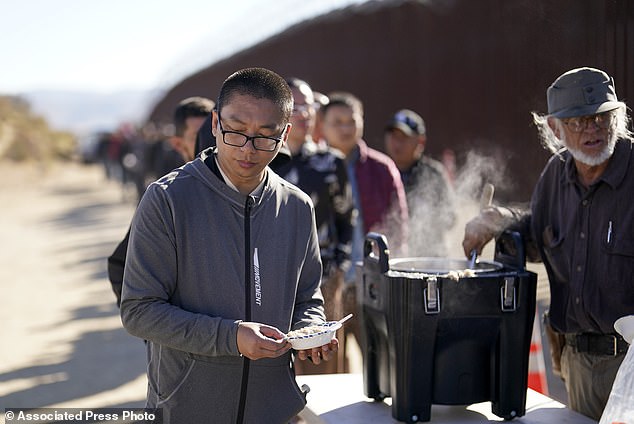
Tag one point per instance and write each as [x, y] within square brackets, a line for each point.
[382, 252]
[510, 251]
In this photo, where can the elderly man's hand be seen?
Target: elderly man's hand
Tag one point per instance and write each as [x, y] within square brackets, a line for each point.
[256, 341]
[325, 352]
[481, 229]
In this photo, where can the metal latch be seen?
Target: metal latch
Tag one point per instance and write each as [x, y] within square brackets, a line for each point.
[431, 296]
[507, 295]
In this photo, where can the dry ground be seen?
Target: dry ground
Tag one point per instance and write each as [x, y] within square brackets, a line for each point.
[63, 344]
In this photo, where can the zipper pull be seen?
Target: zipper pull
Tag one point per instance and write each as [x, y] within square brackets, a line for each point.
[250, 202]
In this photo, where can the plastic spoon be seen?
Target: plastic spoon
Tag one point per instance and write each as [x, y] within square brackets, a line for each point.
[344, 319]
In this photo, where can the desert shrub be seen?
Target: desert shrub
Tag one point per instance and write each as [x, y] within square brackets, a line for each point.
[25, 136]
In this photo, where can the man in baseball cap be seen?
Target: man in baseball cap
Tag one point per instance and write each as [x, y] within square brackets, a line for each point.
[407, 121]
[405, 140]
[429, 194]
[580, 223]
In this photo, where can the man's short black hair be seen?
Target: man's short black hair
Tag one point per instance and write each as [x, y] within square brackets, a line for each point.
[188, 108]
[342, 98]
[260, 83]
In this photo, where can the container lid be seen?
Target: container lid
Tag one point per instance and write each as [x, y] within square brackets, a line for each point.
[432, 265]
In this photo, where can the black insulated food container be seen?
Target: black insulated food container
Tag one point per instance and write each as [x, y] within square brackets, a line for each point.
[431, 337]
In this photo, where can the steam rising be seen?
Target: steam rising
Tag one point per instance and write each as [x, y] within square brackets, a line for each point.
[432, 232]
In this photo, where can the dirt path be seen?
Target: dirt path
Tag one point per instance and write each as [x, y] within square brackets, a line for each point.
[63, 343]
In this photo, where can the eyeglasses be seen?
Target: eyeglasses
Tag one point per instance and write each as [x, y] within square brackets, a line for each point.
[580, 123]
[237, 139]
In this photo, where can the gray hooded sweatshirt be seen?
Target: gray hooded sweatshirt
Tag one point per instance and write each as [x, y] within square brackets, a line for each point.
[203, 257]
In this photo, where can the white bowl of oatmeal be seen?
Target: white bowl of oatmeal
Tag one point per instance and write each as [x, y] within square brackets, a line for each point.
[313, 336]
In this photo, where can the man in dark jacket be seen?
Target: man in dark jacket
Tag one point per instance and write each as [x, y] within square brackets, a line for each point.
[223, 261]
[429, 194]
[581, 223]
[320, 172]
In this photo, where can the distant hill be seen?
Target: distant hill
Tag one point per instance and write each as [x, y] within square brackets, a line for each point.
[85, 112]
[27, 136]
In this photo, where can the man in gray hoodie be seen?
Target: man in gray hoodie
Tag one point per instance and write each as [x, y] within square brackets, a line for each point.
[223, 259]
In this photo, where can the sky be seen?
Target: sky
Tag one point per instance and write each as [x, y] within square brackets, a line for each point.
[115, 45]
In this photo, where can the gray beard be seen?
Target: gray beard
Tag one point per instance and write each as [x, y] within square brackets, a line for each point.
[605, 154]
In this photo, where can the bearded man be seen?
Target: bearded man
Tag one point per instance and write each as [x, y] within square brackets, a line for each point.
[581, 224]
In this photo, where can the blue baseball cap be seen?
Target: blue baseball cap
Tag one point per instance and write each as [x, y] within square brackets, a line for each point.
[407, 121]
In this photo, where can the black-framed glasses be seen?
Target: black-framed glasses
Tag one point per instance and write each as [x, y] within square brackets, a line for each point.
[237, 139]
[580, 123]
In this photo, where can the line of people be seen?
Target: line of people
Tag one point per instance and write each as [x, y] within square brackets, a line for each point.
[226, 255]
[354, 188]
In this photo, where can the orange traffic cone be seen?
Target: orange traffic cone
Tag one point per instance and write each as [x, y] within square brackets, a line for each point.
[536, 366]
